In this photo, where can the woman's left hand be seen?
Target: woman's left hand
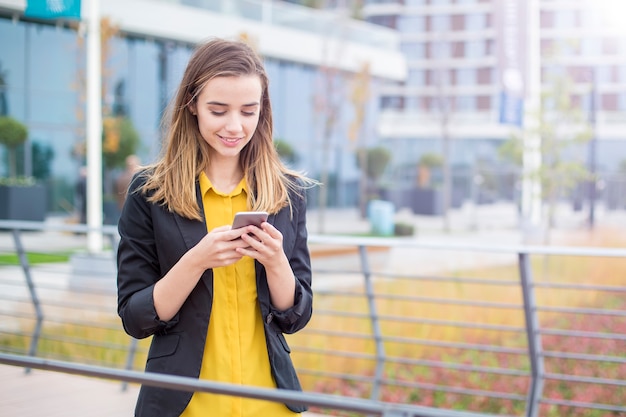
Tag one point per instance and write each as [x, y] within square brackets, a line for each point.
[265, 244]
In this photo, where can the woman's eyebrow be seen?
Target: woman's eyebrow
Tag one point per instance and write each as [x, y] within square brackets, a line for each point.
[217, 103]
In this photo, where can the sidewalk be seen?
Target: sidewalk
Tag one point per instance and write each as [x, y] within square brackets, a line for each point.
[53, 394]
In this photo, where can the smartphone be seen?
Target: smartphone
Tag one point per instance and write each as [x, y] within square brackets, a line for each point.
[245, 218]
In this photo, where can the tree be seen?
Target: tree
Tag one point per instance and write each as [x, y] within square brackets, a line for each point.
[427, 162]
[42, 158]
[119, 140]
[4, 103]
[372, 162]
[376, 161]
[119, 137]
[13, 133]
[285, 151]
[328, 102]
[563, 128]
[445, 104]
[359, 98]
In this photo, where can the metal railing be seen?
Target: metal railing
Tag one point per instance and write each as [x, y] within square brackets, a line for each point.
[388, 336]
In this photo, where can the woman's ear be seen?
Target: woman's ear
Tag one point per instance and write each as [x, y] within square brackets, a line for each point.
[192, 108]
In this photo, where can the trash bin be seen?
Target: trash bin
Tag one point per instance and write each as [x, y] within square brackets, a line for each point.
[380, 214]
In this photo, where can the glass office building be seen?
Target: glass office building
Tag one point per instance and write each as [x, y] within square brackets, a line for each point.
[43, 69]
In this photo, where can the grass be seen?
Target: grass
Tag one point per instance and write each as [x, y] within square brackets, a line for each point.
[105, 345]
[34, 258]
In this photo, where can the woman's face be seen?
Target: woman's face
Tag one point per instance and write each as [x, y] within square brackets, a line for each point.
[228, 113]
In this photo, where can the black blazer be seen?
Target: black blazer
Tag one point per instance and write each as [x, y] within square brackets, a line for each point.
[152, 241]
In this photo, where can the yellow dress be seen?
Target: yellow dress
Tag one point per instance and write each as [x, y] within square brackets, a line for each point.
[235, 350]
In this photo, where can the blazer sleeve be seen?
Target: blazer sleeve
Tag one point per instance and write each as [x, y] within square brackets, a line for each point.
[296, 317]
[138, 266]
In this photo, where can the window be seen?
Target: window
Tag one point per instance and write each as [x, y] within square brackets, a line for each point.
[589, 46]
[413, 103]
[391, 102]
[565, 19]
[621, 74]
[465, 103]
[466, 76]
[387, 21]
[411, 24]
[475, 49]
[440, 22]
[415, 50]
[475, 21]
[621, 105]
[416, 78]
[440, 50]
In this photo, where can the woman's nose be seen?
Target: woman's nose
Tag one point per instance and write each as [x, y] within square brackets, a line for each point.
[233, 123]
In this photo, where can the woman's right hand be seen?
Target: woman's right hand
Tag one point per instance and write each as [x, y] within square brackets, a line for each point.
[219, 247]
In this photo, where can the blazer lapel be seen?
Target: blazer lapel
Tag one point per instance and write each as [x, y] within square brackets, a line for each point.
[193, 231]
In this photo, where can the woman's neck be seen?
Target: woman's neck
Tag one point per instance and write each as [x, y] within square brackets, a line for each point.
[224, 176]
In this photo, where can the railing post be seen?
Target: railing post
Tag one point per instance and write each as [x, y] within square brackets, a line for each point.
[130, 358]
[533, 336]
[373, 313]
[19, 248]
[114, 245]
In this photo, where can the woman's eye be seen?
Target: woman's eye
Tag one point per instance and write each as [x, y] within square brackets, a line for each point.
[248, 113]
[218, 113]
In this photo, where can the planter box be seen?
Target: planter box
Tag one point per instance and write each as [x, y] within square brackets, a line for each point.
[23, 202]
[424, 201]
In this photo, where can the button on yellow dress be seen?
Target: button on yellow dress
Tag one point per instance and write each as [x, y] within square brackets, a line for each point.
[235, 350]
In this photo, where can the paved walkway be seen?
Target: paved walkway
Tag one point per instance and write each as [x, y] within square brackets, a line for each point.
[53, 394]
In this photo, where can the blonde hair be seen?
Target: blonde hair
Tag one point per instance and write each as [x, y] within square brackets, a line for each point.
[171, 181]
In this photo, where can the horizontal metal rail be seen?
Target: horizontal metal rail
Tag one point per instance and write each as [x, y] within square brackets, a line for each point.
[382, 342]
[376, 408]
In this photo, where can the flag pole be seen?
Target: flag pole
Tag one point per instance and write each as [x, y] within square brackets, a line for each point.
[94, 130]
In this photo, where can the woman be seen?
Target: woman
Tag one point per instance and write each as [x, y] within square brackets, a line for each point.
[216, 300]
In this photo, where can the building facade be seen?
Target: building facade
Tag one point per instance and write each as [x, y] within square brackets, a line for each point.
[311, 56]
[452, 89]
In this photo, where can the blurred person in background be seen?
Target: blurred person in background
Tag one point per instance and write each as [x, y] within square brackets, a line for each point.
[133, 163]
[80, 195]
[216, 300]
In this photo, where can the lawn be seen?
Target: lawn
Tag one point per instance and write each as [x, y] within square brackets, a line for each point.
[34, 258]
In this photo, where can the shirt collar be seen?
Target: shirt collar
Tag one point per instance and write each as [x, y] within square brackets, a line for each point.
[206, 185]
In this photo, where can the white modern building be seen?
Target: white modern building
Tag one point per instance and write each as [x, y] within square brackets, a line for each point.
[453, 83]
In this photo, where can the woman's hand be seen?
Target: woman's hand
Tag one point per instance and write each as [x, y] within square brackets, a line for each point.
[265, 244]
[219, 247]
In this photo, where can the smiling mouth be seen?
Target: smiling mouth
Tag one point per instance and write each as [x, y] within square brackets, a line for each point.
[230, 140]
